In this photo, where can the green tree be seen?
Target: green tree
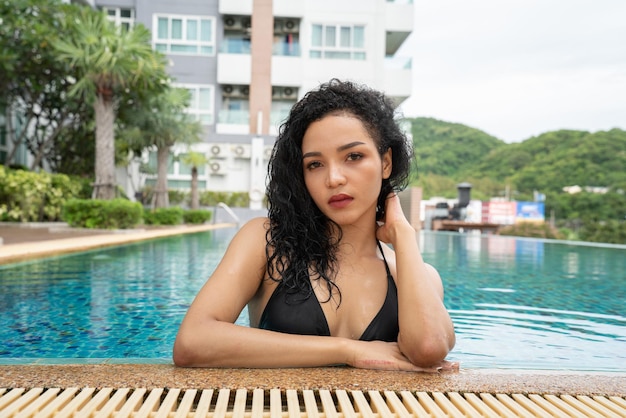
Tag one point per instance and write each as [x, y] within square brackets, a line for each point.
[35, 83]
[161, 123]
[195, 160]
[107, 60]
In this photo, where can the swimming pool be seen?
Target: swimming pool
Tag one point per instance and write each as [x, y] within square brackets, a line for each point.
[516, 303]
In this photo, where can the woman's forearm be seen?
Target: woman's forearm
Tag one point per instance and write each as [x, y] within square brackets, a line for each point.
[224, 344]
[426, 330]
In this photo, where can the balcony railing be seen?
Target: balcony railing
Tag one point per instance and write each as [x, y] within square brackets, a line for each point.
[398, 63]
[235, 46]
[234, 117]
[286, 49]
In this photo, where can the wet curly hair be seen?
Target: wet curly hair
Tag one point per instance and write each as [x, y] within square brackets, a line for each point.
[299, 239]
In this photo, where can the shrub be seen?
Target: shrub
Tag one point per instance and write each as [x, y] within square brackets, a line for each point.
[163, 216]
[197, 216]
[26, 196]
[102, 214]
[532, 230]
[176, 196]
[232, 199]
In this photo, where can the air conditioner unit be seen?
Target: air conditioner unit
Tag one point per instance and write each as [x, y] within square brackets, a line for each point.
[246, 23]
[290, 93]
[232, 23]
[217, 168]
[291, 26]
[218, 151]
[236, 92]
[241, 151]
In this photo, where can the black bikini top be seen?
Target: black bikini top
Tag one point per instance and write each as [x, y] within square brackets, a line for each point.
[301, 313]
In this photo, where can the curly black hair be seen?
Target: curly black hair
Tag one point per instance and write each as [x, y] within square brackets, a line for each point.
[300, 244]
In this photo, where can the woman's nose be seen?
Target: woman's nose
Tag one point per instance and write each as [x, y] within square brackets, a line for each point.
[335, 176]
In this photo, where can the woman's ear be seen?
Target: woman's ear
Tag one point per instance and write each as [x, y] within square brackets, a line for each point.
[387, 164]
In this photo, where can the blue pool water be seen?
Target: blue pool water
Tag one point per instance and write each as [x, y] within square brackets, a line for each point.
[516, 303]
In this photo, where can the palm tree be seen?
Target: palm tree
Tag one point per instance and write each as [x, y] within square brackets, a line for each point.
[160, 123]
[107, 59]
[195, 160]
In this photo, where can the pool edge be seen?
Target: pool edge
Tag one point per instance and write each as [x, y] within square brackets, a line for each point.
[332, 378]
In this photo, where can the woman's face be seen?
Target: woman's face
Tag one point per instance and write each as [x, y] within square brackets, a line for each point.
[343, 170]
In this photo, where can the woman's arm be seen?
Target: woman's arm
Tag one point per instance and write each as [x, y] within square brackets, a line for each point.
[426, 330]
[208, 336]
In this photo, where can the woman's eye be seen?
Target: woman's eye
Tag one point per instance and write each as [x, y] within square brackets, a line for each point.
[353, 156]
[313, 164]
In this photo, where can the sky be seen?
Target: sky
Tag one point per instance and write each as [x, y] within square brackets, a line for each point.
[519, 68]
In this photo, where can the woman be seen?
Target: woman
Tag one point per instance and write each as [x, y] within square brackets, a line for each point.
[320, 288]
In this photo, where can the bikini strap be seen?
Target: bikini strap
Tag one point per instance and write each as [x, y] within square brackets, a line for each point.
[380, 247]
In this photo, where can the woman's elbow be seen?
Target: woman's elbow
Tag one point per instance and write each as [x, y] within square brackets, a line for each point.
[182, 354]
[429, 352]
[188, 352]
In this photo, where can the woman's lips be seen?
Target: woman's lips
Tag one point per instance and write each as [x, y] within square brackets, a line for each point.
[340, 201]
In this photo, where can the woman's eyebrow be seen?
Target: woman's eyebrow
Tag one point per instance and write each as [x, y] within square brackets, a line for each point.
[341, 148]
[350, 145]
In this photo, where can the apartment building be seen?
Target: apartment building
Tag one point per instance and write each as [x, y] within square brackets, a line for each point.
[246, 62]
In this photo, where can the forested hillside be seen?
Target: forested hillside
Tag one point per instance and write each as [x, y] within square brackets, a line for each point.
[449, 153]
[545, 163]
[447, 149]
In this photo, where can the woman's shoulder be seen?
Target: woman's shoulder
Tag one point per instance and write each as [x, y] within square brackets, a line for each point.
[252, 233]
[256, 226]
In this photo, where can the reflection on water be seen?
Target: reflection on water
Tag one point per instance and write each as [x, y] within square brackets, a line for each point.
[516, 303]
[526, 303]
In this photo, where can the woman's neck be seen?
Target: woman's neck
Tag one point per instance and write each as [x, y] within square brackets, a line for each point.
[358, 240]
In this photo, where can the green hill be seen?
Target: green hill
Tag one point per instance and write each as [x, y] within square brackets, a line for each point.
[450, 153]
[545, 163]
[446, 149]
[553, 160]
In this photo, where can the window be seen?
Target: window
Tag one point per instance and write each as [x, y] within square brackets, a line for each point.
[125, 18]
[201, 102]
[184, 35]
[338, 42]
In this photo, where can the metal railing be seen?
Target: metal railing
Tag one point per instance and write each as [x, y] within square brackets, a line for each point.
[228, 210]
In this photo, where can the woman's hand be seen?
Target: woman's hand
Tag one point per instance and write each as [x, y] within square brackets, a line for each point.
[393, 220]
[382, 355]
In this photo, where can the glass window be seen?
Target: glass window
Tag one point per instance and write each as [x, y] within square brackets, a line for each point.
[177, 29]
[189, 35]
[204, 98]
[201, 102]
[316, 35]
[344, 40]
[359, 37]
[206, 30]
[338, 42]
[330, 36]
[122, 17]
[192, 30]
[162, 29]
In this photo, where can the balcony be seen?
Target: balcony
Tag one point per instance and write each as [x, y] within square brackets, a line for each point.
[398, 23]
[233, 121]
[235, 7]
[398, 79]
[233, 68]
[235, 46]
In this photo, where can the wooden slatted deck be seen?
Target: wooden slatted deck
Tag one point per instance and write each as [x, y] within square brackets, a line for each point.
[161, 402]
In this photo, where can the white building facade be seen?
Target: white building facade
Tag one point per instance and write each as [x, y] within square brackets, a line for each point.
[246, 62]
